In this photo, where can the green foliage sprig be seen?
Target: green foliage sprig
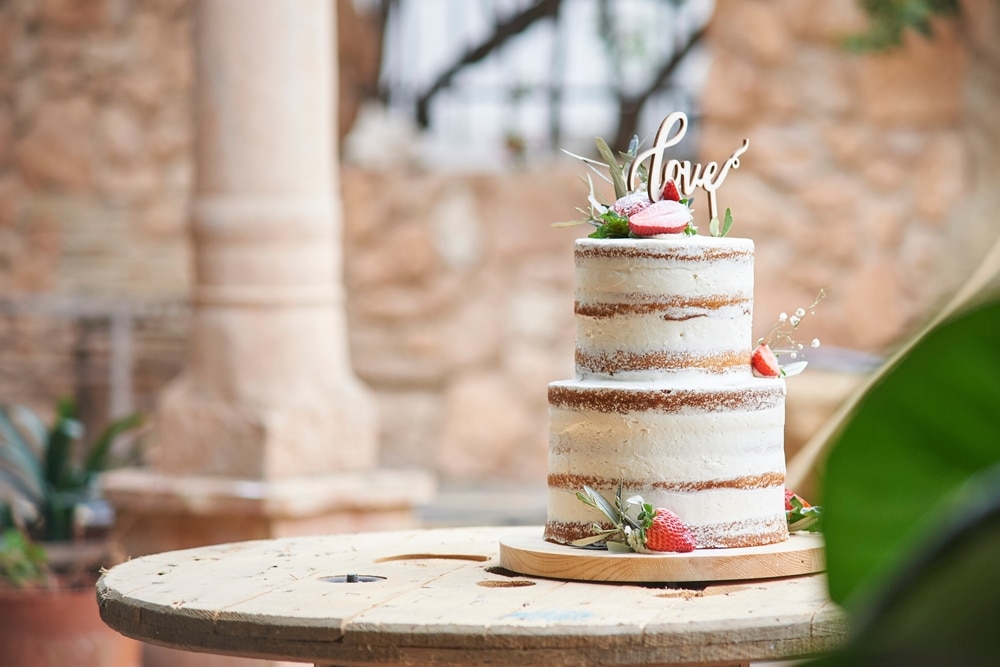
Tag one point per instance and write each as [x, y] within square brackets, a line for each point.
[22, 562]
[891, 18]
[610, 225]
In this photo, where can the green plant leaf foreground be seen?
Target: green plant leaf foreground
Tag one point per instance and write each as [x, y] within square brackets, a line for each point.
[927, 426]
[938, 608]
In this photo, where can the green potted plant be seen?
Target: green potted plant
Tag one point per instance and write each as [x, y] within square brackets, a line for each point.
[54, 539]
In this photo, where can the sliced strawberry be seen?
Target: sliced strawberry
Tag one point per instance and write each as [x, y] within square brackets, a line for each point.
[668, 533]
[764, 362]
[670, 191]
[631, 204]
[663, 217]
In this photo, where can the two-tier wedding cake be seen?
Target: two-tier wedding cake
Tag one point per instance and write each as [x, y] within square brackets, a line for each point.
[671, 401]
[665, 401]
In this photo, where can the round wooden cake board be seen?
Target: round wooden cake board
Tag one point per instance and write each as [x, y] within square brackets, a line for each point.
[799, 554]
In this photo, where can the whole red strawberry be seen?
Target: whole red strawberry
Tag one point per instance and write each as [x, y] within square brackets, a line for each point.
[670, 191]
[652, 530]
[666, 532]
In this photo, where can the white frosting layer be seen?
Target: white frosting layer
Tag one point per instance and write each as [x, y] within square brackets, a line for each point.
[667, 448]
[650, 332]
[697, 510]
[680, 303]
[715, 457]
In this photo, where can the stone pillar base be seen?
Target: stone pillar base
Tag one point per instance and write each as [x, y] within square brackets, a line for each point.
[157, 512]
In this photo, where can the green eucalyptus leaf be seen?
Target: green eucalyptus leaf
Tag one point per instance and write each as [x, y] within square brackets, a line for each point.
[727, 221]
[617, 177]
[571, 223]
[601, 503]
[592, 539]
[619, 547]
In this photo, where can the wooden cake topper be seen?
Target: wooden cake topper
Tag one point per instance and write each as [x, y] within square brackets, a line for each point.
[687, 177]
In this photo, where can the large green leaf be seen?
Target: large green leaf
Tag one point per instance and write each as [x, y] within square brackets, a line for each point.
[929, 424]
[941, 606]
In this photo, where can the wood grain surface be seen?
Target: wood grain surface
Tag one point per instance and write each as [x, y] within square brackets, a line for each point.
[800, 554]
[440, 597]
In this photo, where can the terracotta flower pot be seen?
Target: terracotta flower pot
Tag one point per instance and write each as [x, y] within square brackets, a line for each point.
[46, 628]
[61, 625]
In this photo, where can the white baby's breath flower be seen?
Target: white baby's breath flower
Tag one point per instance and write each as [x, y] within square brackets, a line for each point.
[781, 339]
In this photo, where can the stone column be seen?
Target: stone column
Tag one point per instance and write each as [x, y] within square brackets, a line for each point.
[267, 432]
[268, 391]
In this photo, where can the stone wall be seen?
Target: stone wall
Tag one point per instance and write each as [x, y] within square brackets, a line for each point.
[95, 142]
[858, 166]
[95, 168]
[859, 180]
[461, 311]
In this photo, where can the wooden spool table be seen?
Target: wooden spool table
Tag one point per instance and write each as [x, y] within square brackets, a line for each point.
[441, 597]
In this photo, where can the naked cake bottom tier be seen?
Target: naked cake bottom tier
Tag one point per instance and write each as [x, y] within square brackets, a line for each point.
[710, 449]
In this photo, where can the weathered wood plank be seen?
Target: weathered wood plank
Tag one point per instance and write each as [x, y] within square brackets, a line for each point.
[441, 599]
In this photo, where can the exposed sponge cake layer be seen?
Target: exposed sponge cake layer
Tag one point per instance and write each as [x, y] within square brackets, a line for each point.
[650, 307]
[708, 448]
